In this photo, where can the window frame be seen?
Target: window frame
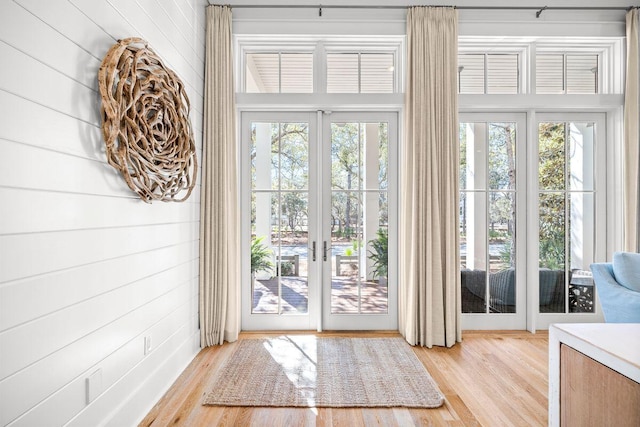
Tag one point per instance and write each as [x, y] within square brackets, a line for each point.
[320, 47]
[360, 52]
[601, 193]
[565, 70]
[493, 46]
[486, 55]
[610, 60]
[573, 107]
[518, 319]
[279, 52]
[608, 101]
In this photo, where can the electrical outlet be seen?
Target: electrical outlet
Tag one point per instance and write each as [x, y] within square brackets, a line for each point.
[93, 385]
[147, 344]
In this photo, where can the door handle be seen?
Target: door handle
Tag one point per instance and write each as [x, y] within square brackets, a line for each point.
[324, 250]
[313, 251]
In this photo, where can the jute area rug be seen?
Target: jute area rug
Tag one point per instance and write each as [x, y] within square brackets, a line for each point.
[310, 371]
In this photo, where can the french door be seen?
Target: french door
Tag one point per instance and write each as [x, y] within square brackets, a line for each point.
[569, 216]
[319, 211]
[532, 218]
[493, 220]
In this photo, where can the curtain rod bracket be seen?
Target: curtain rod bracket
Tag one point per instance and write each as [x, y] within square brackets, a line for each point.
[538, 13]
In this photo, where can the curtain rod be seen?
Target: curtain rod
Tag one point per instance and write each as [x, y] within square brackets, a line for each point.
[346, 6]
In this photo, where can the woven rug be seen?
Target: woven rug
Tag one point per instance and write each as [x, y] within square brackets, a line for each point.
[309, 371]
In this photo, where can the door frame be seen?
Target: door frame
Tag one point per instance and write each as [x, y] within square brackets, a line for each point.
[517, 320]
[387, 321]
[269, 321]
[544, 320]
[318, 271]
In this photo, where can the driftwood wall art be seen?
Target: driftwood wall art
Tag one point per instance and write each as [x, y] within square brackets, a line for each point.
[145, 123]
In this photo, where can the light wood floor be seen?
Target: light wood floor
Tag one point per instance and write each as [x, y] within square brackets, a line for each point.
[490, 379]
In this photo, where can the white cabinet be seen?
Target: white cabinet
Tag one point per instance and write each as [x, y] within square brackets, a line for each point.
[594, 374]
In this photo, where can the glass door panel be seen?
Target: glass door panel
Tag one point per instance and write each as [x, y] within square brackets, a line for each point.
[566, 216]
[355, 287]
[279, 234]
[359, 287]
[491, 267]
[277, 151]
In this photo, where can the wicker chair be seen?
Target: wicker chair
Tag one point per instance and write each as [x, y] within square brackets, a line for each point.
[473, 284]
[502, 291]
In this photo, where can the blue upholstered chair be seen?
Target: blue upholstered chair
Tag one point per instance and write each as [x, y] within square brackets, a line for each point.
[618, 285]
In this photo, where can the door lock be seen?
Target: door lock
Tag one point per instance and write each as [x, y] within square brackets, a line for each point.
[313, 251]
[324, 250]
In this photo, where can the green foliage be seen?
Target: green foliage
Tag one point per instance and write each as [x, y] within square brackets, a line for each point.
[552, 254]
[497, 235]
[294, 207]
[380, 253]
[260, 256]
[551, 169]
[346, 233]
[286, 268]
[347, 172]
[506, 255]
[501, 155]
[552, 231]
[491, 147]
[552, 155]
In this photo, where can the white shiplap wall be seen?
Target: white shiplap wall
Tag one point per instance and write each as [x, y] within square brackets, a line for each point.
[87, 270]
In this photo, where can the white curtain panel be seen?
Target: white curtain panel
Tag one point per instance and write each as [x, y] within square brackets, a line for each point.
[631, 137]
[429, 254]
[219, 211]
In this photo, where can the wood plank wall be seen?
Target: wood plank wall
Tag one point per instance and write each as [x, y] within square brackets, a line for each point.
[87, 270]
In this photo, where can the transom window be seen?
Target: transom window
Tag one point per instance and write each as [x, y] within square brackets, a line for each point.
[324, 65]
[567, 73]
[360, 72]
[483, 73]
[279, 72]
[545, 67]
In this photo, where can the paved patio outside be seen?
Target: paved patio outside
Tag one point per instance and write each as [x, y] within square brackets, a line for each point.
[295, 294]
